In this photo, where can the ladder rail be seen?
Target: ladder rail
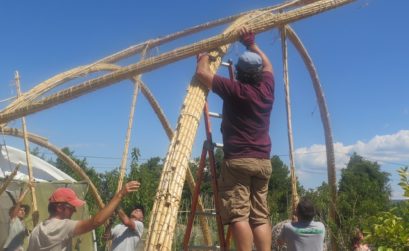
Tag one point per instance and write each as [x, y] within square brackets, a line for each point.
[195, 197]
[213, 173]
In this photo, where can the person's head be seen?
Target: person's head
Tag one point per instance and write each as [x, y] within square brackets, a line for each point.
[305, 209]
[249, 68]
[22, 212]
[63, 203]
[357, 237]
[137, 212]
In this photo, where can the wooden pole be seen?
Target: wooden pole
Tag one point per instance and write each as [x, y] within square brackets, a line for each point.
[294, 193]
[35, 214]
[8, 179]
[329, 143]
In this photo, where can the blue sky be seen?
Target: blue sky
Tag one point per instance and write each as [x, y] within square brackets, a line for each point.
[360, 52]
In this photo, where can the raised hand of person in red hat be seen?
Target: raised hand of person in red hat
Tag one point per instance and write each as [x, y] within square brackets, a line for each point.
[131, 186]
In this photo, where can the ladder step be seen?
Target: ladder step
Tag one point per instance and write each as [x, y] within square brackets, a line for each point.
[204, 247]
[218, 145]
[226, 64]
[215, 115]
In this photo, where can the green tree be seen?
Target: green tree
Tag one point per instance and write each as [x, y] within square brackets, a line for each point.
[364, 191]
[321, 198]
[279, 195]
[390, 230]
[148, 174]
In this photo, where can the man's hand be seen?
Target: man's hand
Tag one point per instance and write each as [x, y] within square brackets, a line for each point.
[201, 55]
[129, 187]
[247, 37]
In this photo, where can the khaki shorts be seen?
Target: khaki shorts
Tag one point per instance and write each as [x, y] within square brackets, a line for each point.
[243, 188]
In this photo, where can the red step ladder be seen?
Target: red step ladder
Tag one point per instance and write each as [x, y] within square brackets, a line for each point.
[208, 150]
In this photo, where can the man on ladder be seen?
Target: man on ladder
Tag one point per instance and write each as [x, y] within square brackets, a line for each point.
[243, 181]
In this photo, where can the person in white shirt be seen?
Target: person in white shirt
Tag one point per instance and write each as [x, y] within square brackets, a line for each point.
[127, 235]
[17, 229]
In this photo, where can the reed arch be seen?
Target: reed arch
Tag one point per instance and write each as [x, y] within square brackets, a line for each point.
[175, 169]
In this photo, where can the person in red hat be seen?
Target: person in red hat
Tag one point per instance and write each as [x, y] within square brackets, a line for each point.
[246, 170]
[56, 233]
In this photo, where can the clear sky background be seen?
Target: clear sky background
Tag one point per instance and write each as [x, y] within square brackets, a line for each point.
[360, 51]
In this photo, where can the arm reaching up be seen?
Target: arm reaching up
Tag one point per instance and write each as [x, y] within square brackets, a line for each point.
[84, 226]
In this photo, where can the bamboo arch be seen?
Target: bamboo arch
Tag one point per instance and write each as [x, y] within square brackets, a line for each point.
[168, 195]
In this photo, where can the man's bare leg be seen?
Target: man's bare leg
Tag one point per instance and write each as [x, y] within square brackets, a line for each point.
[262, 237]
[242, 235]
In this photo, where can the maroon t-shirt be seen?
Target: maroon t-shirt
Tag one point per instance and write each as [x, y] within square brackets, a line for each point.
[246, 116]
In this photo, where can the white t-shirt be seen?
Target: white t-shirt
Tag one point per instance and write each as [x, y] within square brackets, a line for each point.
[303, 236]
[124, 238]
[17, 233]
[52, 235]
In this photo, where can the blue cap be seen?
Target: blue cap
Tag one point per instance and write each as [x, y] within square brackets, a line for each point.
[249, 62]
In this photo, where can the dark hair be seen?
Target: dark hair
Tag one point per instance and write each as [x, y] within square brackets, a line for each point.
[25, 206]
[138, 206]
[252, 78]
[52, 208]
[357, 236]
[305, 209]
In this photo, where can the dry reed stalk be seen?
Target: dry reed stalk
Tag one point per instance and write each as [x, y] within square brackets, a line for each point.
[266, 22]
[28, 159]
[83, 70]
[162, 228]
[128, 134]
[8, 179]
[55, 81]
[294, 194]
[136, 82]
[159, 41]
[189, 177]
[329, 143]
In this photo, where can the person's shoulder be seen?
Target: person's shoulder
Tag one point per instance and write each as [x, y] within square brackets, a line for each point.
[220, 79]
[288, 224]
[59, 223]
[138, 224]
[318, 224]
[267, 74]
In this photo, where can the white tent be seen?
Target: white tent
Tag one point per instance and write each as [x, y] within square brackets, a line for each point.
[42, 170]
[47, 179]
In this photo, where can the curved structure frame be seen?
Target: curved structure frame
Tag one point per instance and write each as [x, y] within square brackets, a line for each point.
[175, 168]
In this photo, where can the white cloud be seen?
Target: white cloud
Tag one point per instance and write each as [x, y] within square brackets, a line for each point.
[386, 148]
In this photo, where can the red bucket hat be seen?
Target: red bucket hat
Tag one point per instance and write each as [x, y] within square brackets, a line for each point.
[67, 195]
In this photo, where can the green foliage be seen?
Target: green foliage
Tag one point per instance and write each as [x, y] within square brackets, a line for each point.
[279, 190]
[279, 187]
[363, 188]
[363, 192]
[321, 199]
[148, 174]
[36, 152]
[390, 230]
